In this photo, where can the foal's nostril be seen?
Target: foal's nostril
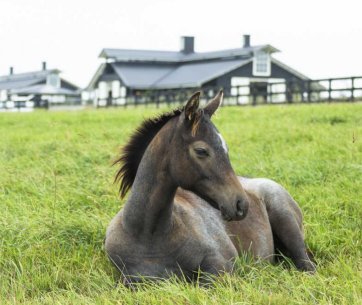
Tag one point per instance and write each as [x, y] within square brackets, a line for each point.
[241, 209]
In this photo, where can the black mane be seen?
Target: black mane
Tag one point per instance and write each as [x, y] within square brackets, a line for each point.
[133, 151]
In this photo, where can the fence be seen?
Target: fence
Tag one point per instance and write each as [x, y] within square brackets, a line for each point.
[30, 105]
[343, 89]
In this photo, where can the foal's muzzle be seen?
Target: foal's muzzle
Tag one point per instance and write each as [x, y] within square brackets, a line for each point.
[236, 211]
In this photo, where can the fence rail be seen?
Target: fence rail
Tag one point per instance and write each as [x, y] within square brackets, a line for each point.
[30, 105]
[342, 89]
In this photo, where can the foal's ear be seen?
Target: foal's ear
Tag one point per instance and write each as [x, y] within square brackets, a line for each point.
[214, 104]
[192, 106]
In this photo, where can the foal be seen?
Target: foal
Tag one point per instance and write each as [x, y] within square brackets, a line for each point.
[188, 211]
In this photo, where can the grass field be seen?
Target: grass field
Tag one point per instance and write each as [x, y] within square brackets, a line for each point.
[57, 197]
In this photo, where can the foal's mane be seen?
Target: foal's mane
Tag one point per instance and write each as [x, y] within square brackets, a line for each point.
[132, 152]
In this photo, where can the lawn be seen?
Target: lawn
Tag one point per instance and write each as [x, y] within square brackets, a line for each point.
[57, 197]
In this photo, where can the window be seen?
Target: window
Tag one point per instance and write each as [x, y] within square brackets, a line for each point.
[240, 86]
[116, 88]
[53, 80]
[57, 99]
[3, 95]
[103, 90]
[277, 89]
[123, 91]
[261, 64]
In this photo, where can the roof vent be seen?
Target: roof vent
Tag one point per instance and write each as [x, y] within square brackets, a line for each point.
[187, 44]
[44, 65]
[11, 71]
[246, 41]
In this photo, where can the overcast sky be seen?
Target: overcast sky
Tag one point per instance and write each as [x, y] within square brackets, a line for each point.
[319, 38]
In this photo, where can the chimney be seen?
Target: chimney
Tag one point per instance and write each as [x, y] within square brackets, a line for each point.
[246, 41]
[187, 44]
[11, 71]
[44, 65]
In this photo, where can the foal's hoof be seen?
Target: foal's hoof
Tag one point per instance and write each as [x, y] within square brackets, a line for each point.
[307, 266]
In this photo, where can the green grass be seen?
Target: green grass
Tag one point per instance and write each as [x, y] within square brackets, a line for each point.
[57, 198]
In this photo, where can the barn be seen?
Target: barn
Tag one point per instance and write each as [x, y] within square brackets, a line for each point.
[243, 71]
[43, 88]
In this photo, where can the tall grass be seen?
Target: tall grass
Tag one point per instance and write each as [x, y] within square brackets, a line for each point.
[57, 197]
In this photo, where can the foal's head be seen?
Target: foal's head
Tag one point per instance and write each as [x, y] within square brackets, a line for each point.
[199, 160]
[196, 156]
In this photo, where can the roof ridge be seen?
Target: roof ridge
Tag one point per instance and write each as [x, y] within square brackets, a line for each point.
[17, 76]
[128, 55]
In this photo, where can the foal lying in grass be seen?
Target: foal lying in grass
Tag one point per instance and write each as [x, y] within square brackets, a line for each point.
[188, 211]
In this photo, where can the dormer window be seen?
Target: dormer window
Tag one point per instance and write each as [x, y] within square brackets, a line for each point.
[53, 80]
[261, 64]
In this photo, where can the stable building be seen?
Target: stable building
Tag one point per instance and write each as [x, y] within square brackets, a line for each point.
[41, 88]
[242, 71]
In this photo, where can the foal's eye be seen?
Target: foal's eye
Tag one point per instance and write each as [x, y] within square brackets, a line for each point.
[201, 152]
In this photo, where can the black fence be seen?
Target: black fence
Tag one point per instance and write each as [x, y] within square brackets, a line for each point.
[343, 89]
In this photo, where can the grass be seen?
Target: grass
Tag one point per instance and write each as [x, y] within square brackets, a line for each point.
[57, 198]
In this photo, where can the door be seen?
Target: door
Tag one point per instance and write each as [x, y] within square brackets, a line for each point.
[259, 92]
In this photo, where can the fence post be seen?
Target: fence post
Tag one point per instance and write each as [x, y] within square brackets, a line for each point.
[308, 91]
[288, 93]
[237, 88]
[301, 90]
[329, 90]
[253, 95]
[352, 89]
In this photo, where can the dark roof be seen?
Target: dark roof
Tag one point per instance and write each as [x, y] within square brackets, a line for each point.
[196, 74]
[140, 75]
[44, 89]
[188, 75]
[21, 80]
[127, 55]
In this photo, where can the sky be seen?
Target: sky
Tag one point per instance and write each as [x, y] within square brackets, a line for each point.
[318, 38]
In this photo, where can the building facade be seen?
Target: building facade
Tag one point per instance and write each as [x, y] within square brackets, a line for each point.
[41, 88]
[241, 72]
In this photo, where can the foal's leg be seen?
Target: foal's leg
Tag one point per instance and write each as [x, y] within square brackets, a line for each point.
[214, 265]
[286, 221]
[287, 232]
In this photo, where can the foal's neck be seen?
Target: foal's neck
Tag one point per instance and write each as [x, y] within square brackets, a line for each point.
[148, 211]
